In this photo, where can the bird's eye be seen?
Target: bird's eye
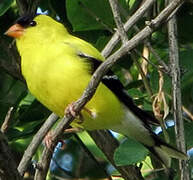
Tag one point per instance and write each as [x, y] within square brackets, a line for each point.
[32, 23]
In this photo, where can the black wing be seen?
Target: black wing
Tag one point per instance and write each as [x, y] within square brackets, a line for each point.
[113, 83]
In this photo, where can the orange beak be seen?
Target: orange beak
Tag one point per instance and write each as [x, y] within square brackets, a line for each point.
[15, 31]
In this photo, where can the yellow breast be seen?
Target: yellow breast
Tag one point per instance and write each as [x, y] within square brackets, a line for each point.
[57, 79]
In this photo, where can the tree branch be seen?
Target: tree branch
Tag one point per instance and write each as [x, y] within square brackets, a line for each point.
[37, 139]
[7, 121]
[118, 21]
[47, 152]
[131, 21]
[138, 38]
[165, 68]
[176, 86]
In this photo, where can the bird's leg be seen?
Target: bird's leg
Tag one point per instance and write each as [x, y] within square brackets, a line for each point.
[73, 130]
[48, 138]
[70, 110]
[49, 143]
[91, 113]
[80, 119]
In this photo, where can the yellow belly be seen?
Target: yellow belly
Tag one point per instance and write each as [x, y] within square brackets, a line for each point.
[63, 82]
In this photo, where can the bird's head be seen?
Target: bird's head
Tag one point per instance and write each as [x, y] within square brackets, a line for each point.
[38, 27]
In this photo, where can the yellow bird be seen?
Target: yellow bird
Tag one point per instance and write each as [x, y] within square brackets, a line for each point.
[57, 68]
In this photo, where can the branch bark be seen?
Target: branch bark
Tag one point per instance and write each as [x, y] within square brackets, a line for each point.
[131, 21]
[124, 39]
[47, 152]
[7, 121]
[176, 92]
[37, 139]
[138, 38]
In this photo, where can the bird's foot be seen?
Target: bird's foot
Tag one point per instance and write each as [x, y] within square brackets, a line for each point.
[49, 143]
[48, 140]
[73, 130]
[70, 110]
[80, 119]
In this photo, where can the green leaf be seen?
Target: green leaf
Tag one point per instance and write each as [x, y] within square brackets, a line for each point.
[90, 144]
[130, 152]
[4, 6]
[21, 144]
[101, 42]
[11, 92]
[84, 14]
[135, 93]
[134, 84]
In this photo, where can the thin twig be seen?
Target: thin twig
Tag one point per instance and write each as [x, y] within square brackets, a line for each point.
[145, 80]
[118, 21]
[37, 139]
[160, 61]
[44, 163]
[131, 21]
[185, 110]
[189, 114]
[164, 66]
[124, 39]
[154, 65]
[6, 123]
[177, 101]
[47, 152]
[115, 38]
[148, 44]
[152, 50]
[106, 65]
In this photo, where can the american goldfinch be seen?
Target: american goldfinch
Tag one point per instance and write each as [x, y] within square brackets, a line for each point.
[57, 68]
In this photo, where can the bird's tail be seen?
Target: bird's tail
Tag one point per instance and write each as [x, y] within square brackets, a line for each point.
[164, 152]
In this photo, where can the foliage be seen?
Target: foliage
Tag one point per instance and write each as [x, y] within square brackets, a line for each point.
[94, 22]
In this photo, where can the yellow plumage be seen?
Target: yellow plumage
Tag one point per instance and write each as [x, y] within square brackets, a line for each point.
[57, 71]
[58, 77]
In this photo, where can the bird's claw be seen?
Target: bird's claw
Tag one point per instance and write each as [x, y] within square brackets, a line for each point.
[70, 110]
[48, 140]
[73, 130]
